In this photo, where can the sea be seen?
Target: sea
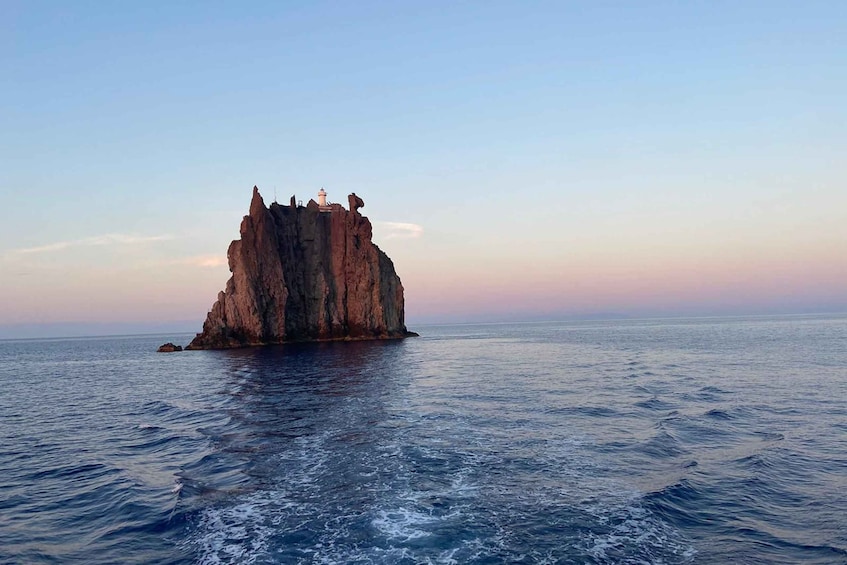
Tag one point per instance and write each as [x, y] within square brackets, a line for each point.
[707, 440]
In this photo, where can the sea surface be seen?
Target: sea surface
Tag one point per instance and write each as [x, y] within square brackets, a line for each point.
[645, 441]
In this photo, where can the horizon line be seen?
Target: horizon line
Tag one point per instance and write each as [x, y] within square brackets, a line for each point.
[571, 318]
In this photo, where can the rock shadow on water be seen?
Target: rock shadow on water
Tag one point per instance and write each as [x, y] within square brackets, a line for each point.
[335, 368]
[276, 395]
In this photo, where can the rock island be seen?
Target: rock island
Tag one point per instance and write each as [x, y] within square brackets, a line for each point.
[305, 273]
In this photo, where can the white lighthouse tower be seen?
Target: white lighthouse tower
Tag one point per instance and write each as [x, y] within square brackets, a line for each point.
[322, 205]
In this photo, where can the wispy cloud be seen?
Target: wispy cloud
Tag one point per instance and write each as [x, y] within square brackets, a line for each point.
[399, 230]
[99, 240]
[203, 261]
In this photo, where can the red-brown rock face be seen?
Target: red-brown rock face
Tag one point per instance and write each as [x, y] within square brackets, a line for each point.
[301, 274]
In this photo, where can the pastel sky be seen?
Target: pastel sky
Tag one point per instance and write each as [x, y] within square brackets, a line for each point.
[519, 160]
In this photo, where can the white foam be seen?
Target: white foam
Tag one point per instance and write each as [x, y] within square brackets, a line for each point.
[633, 527]
[235, 534]
[242, 531]
[403, 524]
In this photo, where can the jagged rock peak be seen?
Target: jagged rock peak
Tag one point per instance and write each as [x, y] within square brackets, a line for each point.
[355, 202]
[305, 274]
[257, 204]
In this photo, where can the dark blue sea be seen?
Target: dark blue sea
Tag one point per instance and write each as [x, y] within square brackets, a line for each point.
[651, 441]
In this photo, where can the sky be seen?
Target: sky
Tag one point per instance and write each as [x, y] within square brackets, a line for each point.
[519, 160]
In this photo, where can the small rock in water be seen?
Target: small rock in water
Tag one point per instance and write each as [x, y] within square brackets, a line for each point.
[169, 348]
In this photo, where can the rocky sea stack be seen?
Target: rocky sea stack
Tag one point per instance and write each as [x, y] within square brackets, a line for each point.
[305, 273]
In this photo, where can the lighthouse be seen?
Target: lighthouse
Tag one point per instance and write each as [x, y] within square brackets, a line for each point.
[322, 204]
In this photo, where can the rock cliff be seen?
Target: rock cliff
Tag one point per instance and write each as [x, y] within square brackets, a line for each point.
[304, 273]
